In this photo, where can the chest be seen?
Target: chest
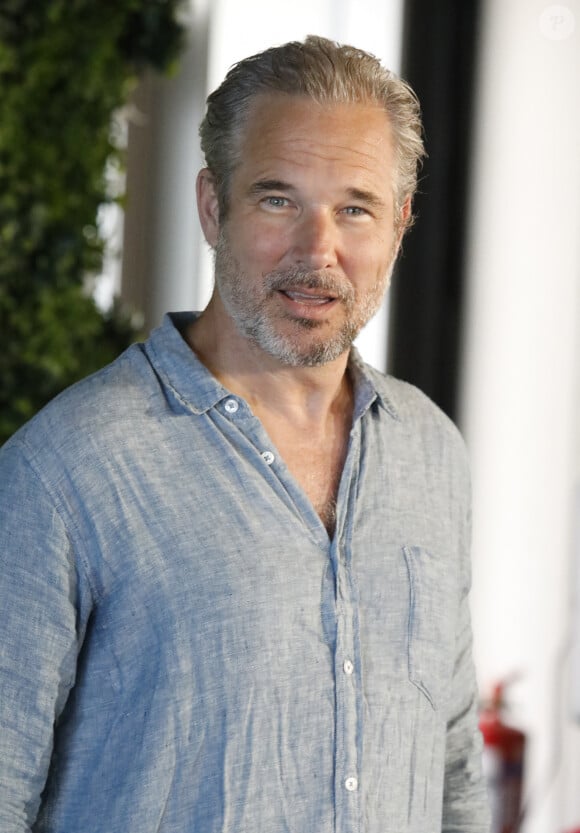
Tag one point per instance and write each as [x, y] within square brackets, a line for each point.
[230, 565]
[316, 462]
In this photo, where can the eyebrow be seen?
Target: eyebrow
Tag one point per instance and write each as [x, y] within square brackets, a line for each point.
[263, 186]
[367, 197]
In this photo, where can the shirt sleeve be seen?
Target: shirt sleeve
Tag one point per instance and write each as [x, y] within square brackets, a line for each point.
[465, 800]
[39, 644]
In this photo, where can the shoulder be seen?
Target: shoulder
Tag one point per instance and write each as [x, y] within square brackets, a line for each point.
[411, 406]
[417, 428]
[87, 412]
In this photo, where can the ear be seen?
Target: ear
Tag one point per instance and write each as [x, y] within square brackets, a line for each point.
[403, 220]
[208, 205]
[405, 215]
[406, 210]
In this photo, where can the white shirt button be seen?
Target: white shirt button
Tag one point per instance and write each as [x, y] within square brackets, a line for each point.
[351, 784]
[268, 457]
[348, 667]
[231, 406]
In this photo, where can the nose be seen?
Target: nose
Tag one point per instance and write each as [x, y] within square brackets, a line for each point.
[315, 242]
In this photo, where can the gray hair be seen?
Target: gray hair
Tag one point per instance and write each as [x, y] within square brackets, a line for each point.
[328, 73]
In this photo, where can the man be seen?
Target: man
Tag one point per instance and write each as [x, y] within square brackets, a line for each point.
[235, 562]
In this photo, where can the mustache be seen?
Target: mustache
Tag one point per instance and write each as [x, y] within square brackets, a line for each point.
[295, 277]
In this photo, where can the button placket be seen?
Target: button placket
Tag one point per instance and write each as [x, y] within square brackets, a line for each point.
[347, 688]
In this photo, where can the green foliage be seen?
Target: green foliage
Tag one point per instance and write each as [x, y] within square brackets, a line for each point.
[66, 66]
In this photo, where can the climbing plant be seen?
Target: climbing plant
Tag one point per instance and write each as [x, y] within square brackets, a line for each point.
[66, 67]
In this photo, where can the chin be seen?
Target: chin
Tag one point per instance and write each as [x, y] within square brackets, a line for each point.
[304, 352]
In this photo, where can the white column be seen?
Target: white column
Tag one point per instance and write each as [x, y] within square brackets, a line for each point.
[162, 239]
[521, 409]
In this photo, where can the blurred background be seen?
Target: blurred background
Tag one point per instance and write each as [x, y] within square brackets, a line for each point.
[484, 312]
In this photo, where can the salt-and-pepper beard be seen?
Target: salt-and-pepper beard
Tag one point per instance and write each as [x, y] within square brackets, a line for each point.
[250, 312]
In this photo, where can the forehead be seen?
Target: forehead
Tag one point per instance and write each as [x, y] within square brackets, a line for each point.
[293, 134]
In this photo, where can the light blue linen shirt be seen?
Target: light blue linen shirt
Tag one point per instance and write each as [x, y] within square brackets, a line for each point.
[183, 648]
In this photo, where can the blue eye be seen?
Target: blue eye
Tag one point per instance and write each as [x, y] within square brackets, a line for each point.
[276, 202]
[354, 210]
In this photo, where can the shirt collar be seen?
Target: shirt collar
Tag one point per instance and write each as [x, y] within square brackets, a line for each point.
[369, 387]
[198, 390]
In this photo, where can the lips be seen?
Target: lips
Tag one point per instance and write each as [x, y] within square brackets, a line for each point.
[310, 298]
[310, 290]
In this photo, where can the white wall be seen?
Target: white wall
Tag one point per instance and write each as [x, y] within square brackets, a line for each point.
[521, 402]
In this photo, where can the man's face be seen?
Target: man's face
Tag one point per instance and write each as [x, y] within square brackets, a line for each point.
[304, 256]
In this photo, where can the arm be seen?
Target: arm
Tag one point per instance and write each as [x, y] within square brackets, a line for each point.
[465, 801]
[38, 648]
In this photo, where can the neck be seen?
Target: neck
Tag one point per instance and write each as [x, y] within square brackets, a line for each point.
[307, 395]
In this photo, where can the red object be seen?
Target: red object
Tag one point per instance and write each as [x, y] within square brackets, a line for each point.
[503, 764]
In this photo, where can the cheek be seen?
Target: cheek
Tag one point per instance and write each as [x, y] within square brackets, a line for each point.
[381, 254]
[367, 264]
[264, 246]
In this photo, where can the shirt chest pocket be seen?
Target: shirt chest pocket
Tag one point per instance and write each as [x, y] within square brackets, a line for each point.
[433, 599]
